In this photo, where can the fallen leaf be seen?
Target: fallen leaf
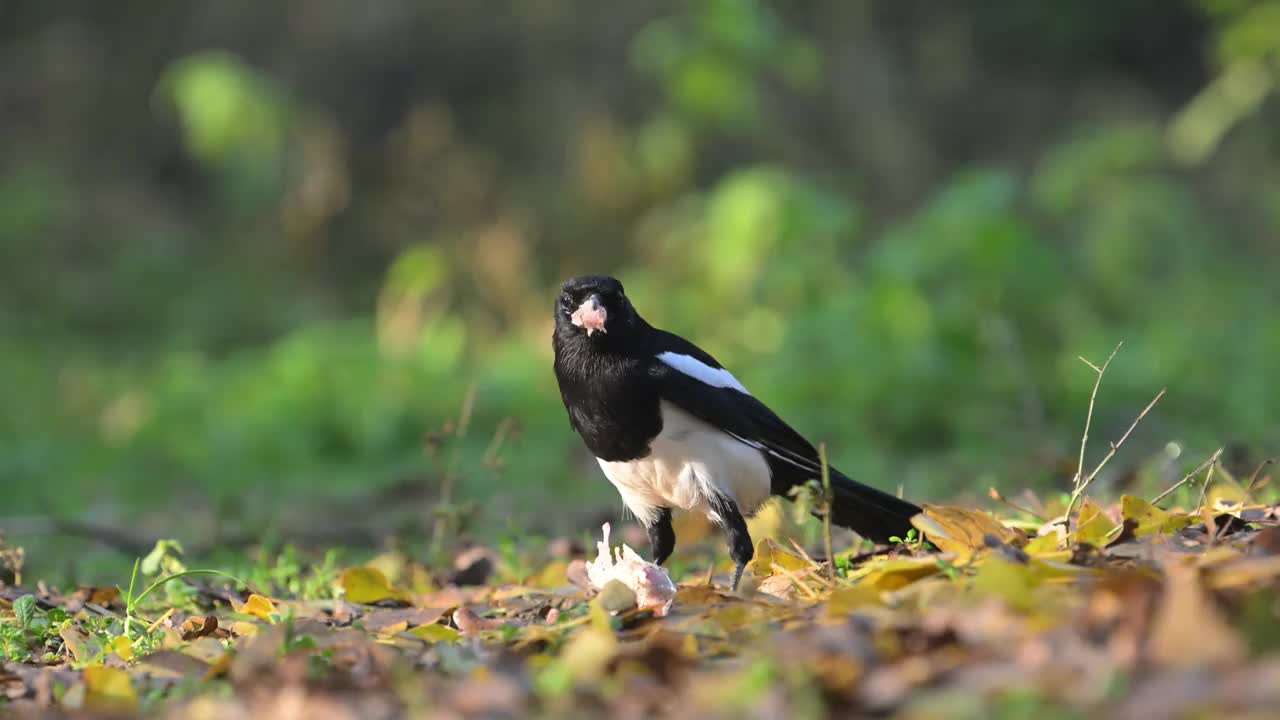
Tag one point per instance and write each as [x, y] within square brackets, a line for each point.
[1093, 526]
[552, 575]
[196, 627]
[171, 664]
[1043, 545]
[1010, 581]
[257, 606]
[467, 621]
[1244, 572]
[1152, 520]
[436, 633]
[1189, 629]
[381, 618]
[109, 690]
[690, 596]
[367, 585]
[768, 554]
[79, 644]
[844, 601]
[962, 531]
[888, 574]
[393, 628]
[122, 646]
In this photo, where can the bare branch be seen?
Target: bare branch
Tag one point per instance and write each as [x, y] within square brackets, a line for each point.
[1116, 445]
[1207, 463]
[1088, 420]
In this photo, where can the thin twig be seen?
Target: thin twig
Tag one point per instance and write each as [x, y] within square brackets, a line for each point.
[830, 505]
[795, 581]
[1212, 460]
[1116, 445]
[994, 494]
[445, 515]
[809, 559]
[1088, 420]
[1204, 486]
[1248, 489]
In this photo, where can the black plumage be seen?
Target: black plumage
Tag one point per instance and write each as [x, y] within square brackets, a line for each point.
[674, 429]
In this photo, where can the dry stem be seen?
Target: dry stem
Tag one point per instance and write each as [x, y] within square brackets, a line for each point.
[1207, 463]
[1088, 421]
[830, 503]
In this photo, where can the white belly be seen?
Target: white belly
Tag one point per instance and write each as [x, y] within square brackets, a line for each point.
[687, 462]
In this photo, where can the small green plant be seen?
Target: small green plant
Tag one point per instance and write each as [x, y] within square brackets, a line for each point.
[948, 568]
[913, 542]
[156, 560]
[32, 631]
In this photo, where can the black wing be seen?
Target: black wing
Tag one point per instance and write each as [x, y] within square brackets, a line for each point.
[792, 458]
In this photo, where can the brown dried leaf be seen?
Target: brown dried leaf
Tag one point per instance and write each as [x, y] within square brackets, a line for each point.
[1189, 629]
[962, 531]
[195, 628]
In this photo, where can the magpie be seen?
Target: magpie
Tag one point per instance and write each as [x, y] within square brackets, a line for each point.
[673, 429]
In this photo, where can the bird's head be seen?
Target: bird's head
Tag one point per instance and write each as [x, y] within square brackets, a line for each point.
[595, 306]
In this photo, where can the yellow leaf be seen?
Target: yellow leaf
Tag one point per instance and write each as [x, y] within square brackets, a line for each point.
[123, 647]
[1225, 488]
[1045, 545]
[258, 607]
[241, 628]
[962, 531]
[731, 617]
[552, 575]
[689, 646]
[367, 585]
[1228, 506]
[109, 690]
[600, 617]
[436, 633]
[889, 574]
[1151, 519]
[81, 647]
[843, 601]
[587, 654]
[1012, 582]
[1093, 526]
[397, 627]
[768, 554]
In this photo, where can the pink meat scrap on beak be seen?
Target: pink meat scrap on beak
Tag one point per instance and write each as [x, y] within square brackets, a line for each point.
[590, 315]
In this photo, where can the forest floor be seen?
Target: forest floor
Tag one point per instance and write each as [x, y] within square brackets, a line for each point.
[1136, 612]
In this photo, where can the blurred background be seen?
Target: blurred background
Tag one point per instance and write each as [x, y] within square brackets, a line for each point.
[287, 268]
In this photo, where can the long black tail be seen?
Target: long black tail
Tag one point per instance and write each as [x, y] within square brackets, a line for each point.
[871, 513]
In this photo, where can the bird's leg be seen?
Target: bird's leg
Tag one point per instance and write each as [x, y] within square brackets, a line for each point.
[726, 514]
[662, 538]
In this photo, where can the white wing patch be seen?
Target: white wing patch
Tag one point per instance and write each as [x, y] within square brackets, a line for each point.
[688, 463]
[695, 368]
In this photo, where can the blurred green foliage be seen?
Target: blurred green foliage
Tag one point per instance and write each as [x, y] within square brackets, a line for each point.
[246, 277]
